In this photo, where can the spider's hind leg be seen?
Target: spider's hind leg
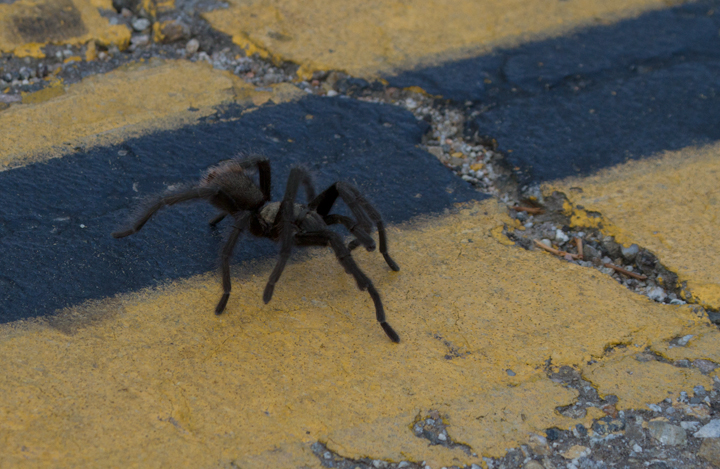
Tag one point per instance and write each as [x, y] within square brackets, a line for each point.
[325, 237]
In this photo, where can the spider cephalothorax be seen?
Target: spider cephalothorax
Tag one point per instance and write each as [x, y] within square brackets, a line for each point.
[229, 187]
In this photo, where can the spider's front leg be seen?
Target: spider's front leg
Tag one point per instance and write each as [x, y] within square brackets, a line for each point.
[363, 210]
[325, 237]
[285, 217]
[171, 199]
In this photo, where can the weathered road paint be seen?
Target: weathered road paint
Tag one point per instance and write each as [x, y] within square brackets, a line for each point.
[111, 108]
[154, 378]
[377, 37]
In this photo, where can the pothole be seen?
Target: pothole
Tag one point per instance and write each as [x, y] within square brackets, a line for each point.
[543, 225]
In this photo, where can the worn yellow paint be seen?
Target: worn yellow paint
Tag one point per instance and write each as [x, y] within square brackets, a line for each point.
[104, 109]
[154, 378]
[154, 7]
[638, 383]
[54, 89]
[31, 49]
[72, 22]
[91, 51]
[668, 204]
[379, 36]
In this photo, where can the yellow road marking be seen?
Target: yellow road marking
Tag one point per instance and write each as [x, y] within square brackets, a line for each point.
[376, 37]
[106, 109]
[27, 25]
[669, 205]
[156, 379]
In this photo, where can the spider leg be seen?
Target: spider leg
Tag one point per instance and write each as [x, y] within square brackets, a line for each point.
[227, 251]
[360, 207]
[263, 166]
[285, 218]
[362, 238]
[171, 199]
[217, 219]
[325, 237]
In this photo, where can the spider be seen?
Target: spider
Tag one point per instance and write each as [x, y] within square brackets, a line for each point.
[229, 187]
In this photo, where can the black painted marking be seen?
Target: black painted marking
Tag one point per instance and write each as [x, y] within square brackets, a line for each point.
[573, 105]
[57, 216]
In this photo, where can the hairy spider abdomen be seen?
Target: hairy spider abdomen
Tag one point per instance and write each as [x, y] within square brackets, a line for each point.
[236, 190]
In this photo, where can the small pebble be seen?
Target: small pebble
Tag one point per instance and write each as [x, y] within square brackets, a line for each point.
[332, 93]
[532, 464]
[682, 342]
[561, 237]
[656, 294]
[690, 425]
[141, 40]
[141, 24]
[192, 46]
[629, 253]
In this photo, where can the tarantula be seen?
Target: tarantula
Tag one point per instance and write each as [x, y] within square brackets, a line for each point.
[229, 187]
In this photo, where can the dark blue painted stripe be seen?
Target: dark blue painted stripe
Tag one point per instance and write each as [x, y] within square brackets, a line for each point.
[50, 261]
[596, 98]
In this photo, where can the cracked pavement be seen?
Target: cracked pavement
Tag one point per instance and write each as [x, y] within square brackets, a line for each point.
[548, 172]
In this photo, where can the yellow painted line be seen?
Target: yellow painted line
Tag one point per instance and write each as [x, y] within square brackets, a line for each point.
[27, 25]
[376, 37]
[156, 379]
[131, 101]
[669, 204]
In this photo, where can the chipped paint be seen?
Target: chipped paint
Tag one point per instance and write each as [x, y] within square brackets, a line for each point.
[123, 103]
[378, 37]
[154, 378]
[667, 204]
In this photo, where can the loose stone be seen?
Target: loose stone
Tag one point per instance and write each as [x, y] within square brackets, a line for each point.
[576, 452]
[667, 434]
[629, 253]
[705, 366]
[192, 46]
[532, 464]
[711, 430]
[141, 24]
[710, 451]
